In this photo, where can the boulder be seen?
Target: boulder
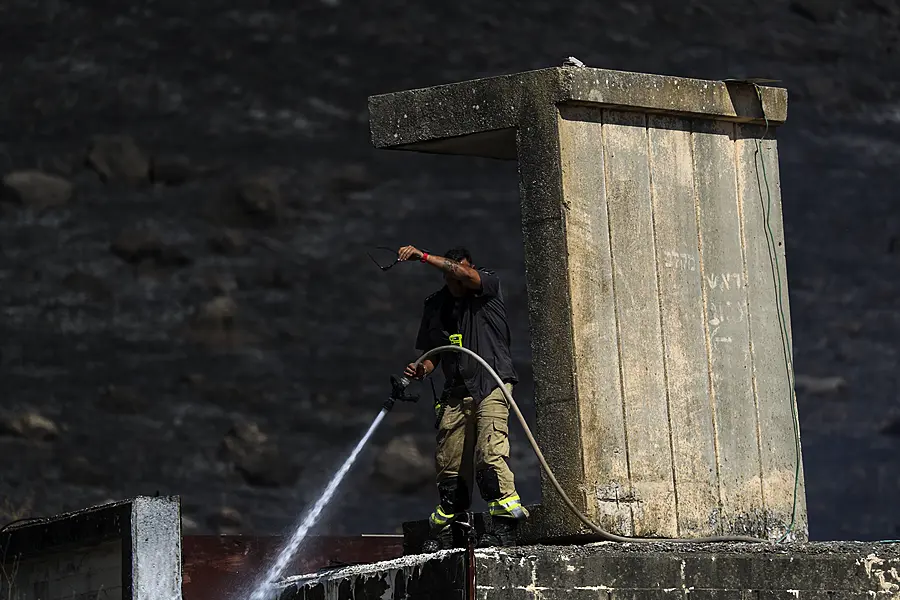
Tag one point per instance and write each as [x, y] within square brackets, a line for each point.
[255, 457]
[90, 285]
[171, 170]
[253, 201]
[817, 11]
[30, 425]
[120, 400]
[351, 178]
[136, 246]
[819, 385]
[226, 521]
[80, 471]
[117, 158]
[218, 314]
[403, 466]
[35, 189]
[228, 242]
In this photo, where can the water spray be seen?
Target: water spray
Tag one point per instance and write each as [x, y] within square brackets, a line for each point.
[265, 589]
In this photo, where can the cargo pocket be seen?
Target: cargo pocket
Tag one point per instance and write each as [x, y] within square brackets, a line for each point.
[498, 442]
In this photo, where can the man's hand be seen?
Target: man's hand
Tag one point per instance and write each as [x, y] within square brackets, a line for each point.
[419, 371]
[414, 371]
[409, 253]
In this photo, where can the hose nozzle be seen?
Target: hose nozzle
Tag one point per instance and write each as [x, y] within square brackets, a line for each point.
[399, 383]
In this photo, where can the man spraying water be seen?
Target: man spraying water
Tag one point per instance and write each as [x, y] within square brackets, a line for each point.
[472, 413]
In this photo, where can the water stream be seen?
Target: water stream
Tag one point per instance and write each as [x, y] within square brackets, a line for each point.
[264, 590]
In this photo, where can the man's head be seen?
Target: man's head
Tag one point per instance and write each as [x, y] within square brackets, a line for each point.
[462, 256]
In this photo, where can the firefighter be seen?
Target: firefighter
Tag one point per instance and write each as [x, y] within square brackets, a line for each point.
[472, 413]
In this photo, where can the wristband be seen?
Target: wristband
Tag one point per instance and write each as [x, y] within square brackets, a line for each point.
[424, 257]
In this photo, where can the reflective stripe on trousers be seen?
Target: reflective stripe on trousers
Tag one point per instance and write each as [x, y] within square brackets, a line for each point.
[439, 518]
[510, 506]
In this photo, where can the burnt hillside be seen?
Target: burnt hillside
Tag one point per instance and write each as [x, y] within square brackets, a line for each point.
[189, 309]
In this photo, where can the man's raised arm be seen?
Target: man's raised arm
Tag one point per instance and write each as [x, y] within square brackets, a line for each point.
[465, 274]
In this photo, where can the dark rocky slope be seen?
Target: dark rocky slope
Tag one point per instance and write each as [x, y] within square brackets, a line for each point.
[149, 340]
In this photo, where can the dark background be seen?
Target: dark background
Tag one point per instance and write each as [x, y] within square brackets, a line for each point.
[149, 342]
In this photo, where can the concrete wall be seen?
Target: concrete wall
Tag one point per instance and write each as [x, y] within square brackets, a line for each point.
[612, 571]
[88, 572]
[683, 391]
[127, 550]
[651, 214]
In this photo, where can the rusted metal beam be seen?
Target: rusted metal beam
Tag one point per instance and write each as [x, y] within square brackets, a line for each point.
[214, 566]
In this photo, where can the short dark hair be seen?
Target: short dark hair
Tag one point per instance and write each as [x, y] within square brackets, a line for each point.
[458, 253]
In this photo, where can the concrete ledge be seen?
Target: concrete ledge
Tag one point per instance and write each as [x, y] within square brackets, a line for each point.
[437, 576]
[610, 570]
[128, 550]
[479, 117]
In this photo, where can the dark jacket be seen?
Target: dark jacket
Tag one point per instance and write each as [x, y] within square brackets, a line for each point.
[480, 317]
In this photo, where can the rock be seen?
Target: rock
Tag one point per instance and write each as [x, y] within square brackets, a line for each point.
[404, 466]
[817, 11]
[254, 201]
[227, 521]
[193, 379]
[255, 457]
[120, 400]
[31, 425]
[172, 170]
[885, 7]
[90, 285]
[35, 189]
[819, 385]
[217, 314]
[352, 178]
[136, 246]
[220, 283]
[218, 325]
[267, 469]
[79, 470]
[273, 276]
[892, 428]
[244, 436]
[229, 396]
[228, 242]
[189, 525]
[117, 158]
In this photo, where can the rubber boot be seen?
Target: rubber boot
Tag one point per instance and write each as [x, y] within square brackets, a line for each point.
[439, 540]
[501, 534]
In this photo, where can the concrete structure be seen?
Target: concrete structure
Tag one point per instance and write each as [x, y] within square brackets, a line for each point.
[651, 215]
[127, 550]
[134, 550]
[611, 571]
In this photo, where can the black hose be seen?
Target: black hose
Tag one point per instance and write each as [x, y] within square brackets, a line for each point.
[565, 497]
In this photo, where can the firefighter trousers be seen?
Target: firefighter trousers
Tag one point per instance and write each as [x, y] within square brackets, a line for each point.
[473, 446]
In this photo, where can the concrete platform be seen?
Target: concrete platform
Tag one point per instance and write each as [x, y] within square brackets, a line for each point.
[609, 570]
[128, 550]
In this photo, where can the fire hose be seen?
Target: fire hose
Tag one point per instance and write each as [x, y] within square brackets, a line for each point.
[552, 478]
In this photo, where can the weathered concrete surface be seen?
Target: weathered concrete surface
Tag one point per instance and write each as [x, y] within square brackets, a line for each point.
[435, 119]
[651, 220]
[439, 576]
[124, 550]
[608, 570]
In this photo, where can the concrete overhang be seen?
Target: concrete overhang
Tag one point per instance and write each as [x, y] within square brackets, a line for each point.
[480, 117]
